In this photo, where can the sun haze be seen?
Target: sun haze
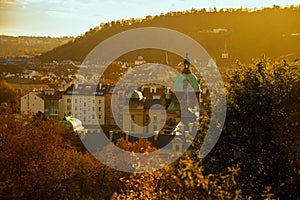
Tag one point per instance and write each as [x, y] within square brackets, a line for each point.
[71, 18]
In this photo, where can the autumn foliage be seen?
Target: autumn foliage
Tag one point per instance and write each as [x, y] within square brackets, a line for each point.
[39, 161]
[257, 156]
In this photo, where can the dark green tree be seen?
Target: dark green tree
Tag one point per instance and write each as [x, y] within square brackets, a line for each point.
[261, 134]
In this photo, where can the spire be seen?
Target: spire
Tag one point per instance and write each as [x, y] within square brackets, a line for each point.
[187, 56]
[186, 69]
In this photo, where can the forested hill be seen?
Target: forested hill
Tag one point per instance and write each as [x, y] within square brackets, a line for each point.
[241, 33]
[28, 46]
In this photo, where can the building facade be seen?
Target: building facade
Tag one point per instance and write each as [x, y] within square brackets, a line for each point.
[154, 107]
[43, 101]
[32, 103]
[87, 103]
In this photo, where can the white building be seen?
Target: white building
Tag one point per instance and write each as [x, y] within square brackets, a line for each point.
[32, 103]
[87, 103]
[140, 60]
[44, 101]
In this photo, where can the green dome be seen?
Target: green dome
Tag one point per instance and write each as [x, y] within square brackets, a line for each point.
[179, 82]
[74, 123]
[67, 123]
[135, 95]
[168, 96]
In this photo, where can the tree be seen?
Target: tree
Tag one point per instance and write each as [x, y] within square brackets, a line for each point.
[261, 132]
[9, 96]
[140, 146]
[183, 179]
[39, 161]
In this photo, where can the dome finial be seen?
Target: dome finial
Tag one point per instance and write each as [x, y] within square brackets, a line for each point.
[187, 56]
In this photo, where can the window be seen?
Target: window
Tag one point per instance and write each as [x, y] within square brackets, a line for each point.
[84, 104]
[75, 107]
[154, 128]
[132, 127]
[99, 116]
[75, 100]
[99, 108]
[132, 117]
[147, 129]
[68, 100]
[84, 112]
[155, 118]
[100, 101]
[177, 147]
[93, 116]
[68, 107]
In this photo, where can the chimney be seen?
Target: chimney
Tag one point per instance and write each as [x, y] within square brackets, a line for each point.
[101, 83]
[111, 134]
[126, 135]
[168, 90]
[191, 125]
[155, 135]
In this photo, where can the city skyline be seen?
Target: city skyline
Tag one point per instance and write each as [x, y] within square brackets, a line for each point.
[60, 18]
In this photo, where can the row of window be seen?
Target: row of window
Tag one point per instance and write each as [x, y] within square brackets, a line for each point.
[93, 117]
[76, 108]
[75, 101]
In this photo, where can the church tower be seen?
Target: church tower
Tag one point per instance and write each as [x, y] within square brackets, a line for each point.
[185, 95]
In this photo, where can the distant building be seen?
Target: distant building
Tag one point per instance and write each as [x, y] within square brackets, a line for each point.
[185, 87]
[87, 103]
[171, 144]
[139, 104]
[155, 113]
[118, 103]
[168, 107]
[32, 103]
[225, 55]
[44, 101]
[26, 84]
[139, 61]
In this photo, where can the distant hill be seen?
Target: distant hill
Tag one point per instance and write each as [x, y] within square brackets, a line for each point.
[242, 34]
[28, 46]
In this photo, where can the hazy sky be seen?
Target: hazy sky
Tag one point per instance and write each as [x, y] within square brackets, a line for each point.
[73, 17]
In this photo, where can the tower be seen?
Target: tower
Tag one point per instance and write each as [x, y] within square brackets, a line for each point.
[185, 95]
[186, 63]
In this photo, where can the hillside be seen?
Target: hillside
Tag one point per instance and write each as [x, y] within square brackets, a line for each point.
[243, 34]
[28, 46]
